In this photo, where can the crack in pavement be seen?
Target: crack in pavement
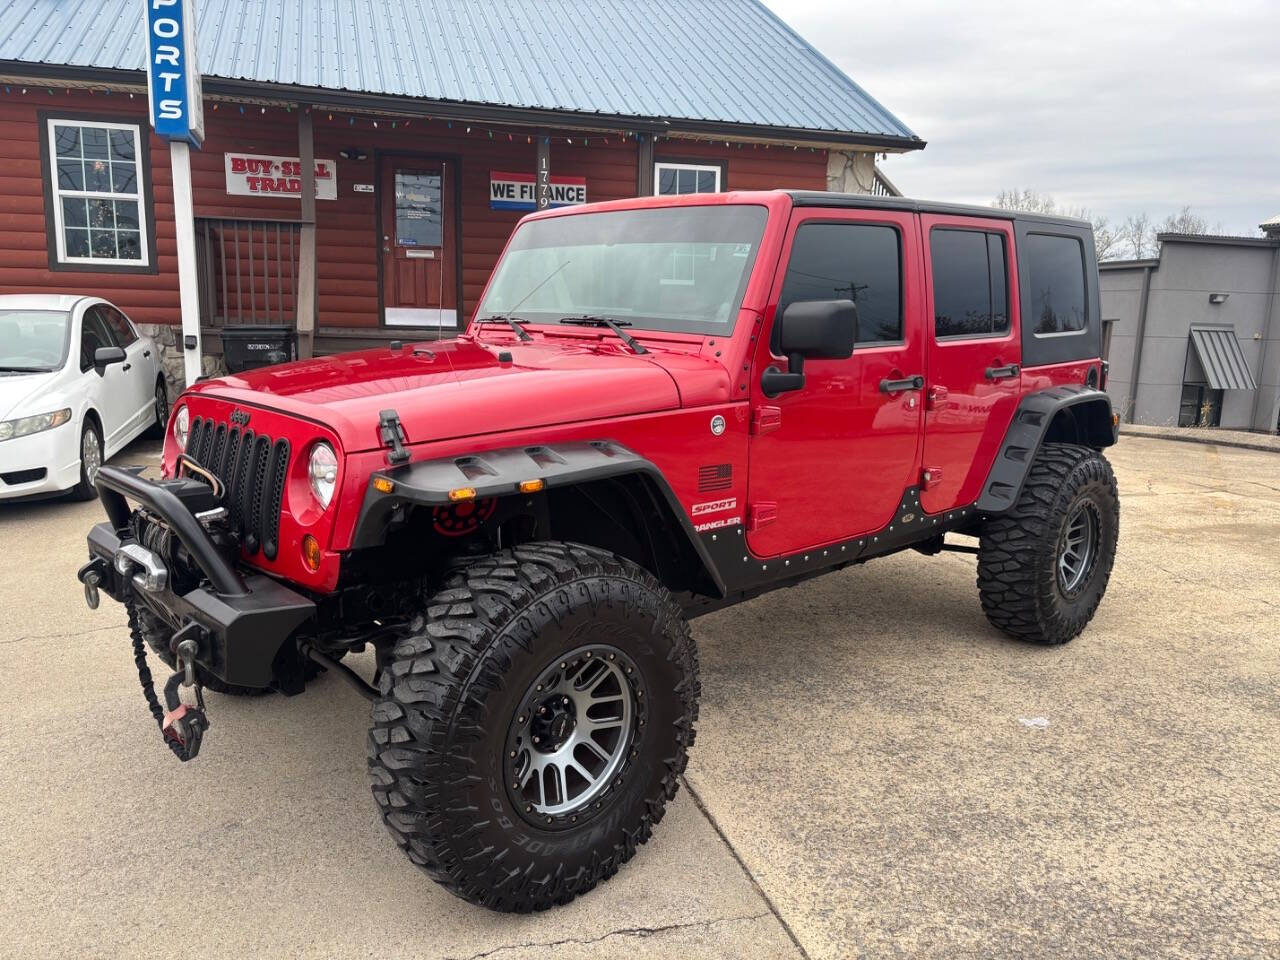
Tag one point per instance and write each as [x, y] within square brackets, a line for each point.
[624, 932]
[74, 633]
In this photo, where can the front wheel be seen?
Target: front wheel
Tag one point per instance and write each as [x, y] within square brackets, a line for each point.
[1043, 566]
[533, 723]
[90, 461]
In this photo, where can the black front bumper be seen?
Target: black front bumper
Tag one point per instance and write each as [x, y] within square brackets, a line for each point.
[241, 621]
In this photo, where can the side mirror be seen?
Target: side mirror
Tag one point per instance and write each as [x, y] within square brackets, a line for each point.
[103, 357]
[820, 329]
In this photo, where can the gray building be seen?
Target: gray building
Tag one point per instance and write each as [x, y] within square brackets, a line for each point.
[1192, 335]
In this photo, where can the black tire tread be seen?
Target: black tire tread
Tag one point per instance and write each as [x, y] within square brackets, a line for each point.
[1016, 586]
[433, 692]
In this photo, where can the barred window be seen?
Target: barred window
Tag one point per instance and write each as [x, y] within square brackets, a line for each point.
[96, 176]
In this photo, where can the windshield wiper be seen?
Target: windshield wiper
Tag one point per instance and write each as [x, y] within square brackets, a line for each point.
[614, 325]
[513, 322]
[24, 369]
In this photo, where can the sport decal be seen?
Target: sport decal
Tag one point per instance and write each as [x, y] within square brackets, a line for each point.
[714, 506]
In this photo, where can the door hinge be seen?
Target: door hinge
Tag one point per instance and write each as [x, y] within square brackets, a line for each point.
[930, 477]
[765, 419]
[761, 514]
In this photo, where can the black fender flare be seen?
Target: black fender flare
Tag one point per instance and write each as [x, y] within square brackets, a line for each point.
[499, 473]
[1090, 410]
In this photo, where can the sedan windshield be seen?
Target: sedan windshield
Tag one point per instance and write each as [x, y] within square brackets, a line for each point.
[670, 268]
[32, 341]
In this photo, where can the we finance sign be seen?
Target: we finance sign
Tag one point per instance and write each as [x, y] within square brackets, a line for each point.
[518, 191]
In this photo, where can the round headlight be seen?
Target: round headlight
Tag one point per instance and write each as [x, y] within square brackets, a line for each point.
[181, 427]
[322, 470]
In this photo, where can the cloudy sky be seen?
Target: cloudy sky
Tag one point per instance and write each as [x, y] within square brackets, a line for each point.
[1117, 107]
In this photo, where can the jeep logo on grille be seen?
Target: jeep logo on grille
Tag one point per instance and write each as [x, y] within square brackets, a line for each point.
[239, 418]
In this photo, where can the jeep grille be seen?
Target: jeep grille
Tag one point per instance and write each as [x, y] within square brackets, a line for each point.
[252, 469]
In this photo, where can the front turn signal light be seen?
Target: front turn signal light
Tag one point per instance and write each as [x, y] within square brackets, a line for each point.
[458, 494]
[311, 552]
[532, 486]
[383, 485]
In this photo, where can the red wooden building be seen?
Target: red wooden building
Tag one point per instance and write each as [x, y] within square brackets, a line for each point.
[425, 138]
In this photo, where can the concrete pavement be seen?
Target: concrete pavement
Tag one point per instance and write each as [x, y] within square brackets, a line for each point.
[877, 773]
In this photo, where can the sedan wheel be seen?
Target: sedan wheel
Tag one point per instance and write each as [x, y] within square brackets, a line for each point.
[90, 461]
[162, 407]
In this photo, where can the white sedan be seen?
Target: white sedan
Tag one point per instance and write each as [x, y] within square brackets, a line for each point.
[77, 383]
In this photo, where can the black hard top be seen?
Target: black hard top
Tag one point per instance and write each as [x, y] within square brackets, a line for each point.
[863, 201]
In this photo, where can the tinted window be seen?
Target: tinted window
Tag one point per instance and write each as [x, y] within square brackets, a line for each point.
[970, 290]
[849, 261]
[121, 328]
[94, 333]
[1055, 266]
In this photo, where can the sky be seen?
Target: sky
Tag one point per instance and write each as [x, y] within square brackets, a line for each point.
[1118, 107]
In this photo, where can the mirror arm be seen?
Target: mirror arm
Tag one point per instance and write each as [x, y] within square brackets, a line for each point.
[774, 381]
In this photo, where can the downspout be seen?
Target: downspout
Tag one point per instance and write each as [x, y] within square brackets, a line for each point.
[1270, 425]
[1138, 343]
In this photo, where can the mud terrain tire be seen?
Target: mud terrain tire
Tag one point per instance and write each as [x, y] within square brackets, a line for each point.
[1032, 586]
[451, 721]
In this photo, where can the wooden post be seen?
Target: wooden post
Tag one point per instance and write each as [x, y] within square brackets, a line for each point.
[305, 301]
[644, 164]
[542, 186]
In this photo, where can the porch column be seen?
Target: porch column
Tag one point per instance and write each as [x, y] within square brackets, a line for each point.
[306, 293]
[644, 164]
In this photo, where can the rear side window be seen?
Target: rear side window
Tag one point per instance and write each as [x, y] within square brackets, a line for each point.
[1055, 268]
[849, 261]
[120, 326]
[970, 284]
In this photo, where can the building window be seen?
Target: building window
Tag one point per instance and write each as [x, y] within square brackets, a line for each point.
[1201, 406]
[670, 179]
[849, 261]
[970, 285]
[96, 179]
[1055, 265]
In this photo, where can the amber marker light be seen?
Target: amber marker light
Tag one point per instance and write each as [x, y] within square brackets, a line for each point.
[532, 486]
[311, 552]
[458, 494]
[383, 485]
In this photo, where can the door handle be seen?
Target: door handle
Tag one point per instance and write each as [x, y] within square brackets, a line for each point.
[146, 353]
[127, 366]
[906, 383]
[1002, 373]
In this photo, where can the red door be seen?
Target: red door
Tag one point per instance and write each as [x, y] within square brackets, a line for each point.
[831, 460]
[975, 354]
[419, 259]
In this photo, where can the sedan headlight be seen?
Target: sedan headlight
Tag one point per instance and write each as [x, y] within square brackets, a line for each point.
[181, 427]
[322, 470]
[23, 426]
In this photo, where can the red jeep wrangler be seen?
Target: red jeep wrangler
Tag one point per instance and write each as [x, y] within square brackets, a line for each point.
[662, 406]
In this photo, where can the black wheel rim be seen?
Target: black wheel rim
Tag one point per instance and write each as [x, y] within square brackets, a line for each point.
[1078, 548]
[573, 734]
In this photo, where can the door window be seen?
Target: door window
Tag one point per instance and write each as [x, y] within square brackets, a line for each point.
[1055, 266]
[861, 262]
[418, 210]
[970, 285]
[94, 333]
[121, 329]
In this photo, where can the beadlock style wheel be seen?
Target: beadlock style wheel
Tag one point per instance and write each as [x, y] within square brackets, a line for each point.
[1077, 548]
[572, 734]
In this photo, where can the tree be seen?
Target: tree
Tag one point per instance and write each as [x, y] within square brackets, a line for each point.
[1107, 240]
[1138, 238]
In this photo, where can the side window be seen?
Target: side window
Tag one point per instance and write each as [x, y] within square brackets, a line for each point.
[121, 329]
[849, 261]
[672, 179]
[94, 333]
[1055, 266]
[970, 284]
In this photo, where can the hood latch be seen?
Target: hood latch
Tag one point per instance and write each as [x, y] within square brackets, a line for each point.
[393, 438]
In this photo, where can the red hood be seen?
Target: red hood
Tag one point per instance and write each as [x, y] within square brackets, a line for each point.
[452, 388]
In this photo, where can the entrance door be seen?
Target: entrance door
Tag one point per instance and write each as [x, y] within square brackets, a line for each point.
[975, 354]
[831, 460]
[419, 259]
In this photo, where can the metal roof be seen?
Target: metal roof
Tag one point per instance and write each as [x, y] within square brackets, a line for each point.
[722, 61]
[1221, 357]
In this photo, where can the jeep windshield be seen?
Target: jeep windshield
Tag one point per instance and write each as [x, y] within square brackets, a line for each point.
[668, 268]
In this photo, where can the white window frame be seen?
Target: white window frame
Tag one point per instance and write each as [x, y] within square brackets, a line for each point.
[661, 165]
[138, 196]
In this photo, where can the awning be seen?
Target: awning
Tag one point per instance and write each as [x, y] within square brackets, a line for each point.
[1222, 359]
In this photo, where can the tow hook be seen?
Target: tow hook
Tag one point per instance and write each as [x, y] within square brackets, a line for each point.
[91, 581]
[184, 725]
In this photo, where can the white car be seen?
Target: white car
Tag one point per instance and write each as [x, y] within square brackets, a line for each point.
[77, 383]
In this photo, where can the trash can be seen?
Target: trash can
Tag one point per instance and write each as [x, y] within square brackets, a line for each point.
[258, 345]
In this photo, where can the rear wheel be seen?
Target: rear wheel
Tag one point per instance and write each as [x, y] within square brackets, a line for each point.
[162, 408]
[533, 724]
[1043, 566]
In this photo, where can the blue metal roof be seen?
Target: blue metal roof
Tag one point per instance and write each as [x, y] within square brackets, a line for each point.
[725, 61]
